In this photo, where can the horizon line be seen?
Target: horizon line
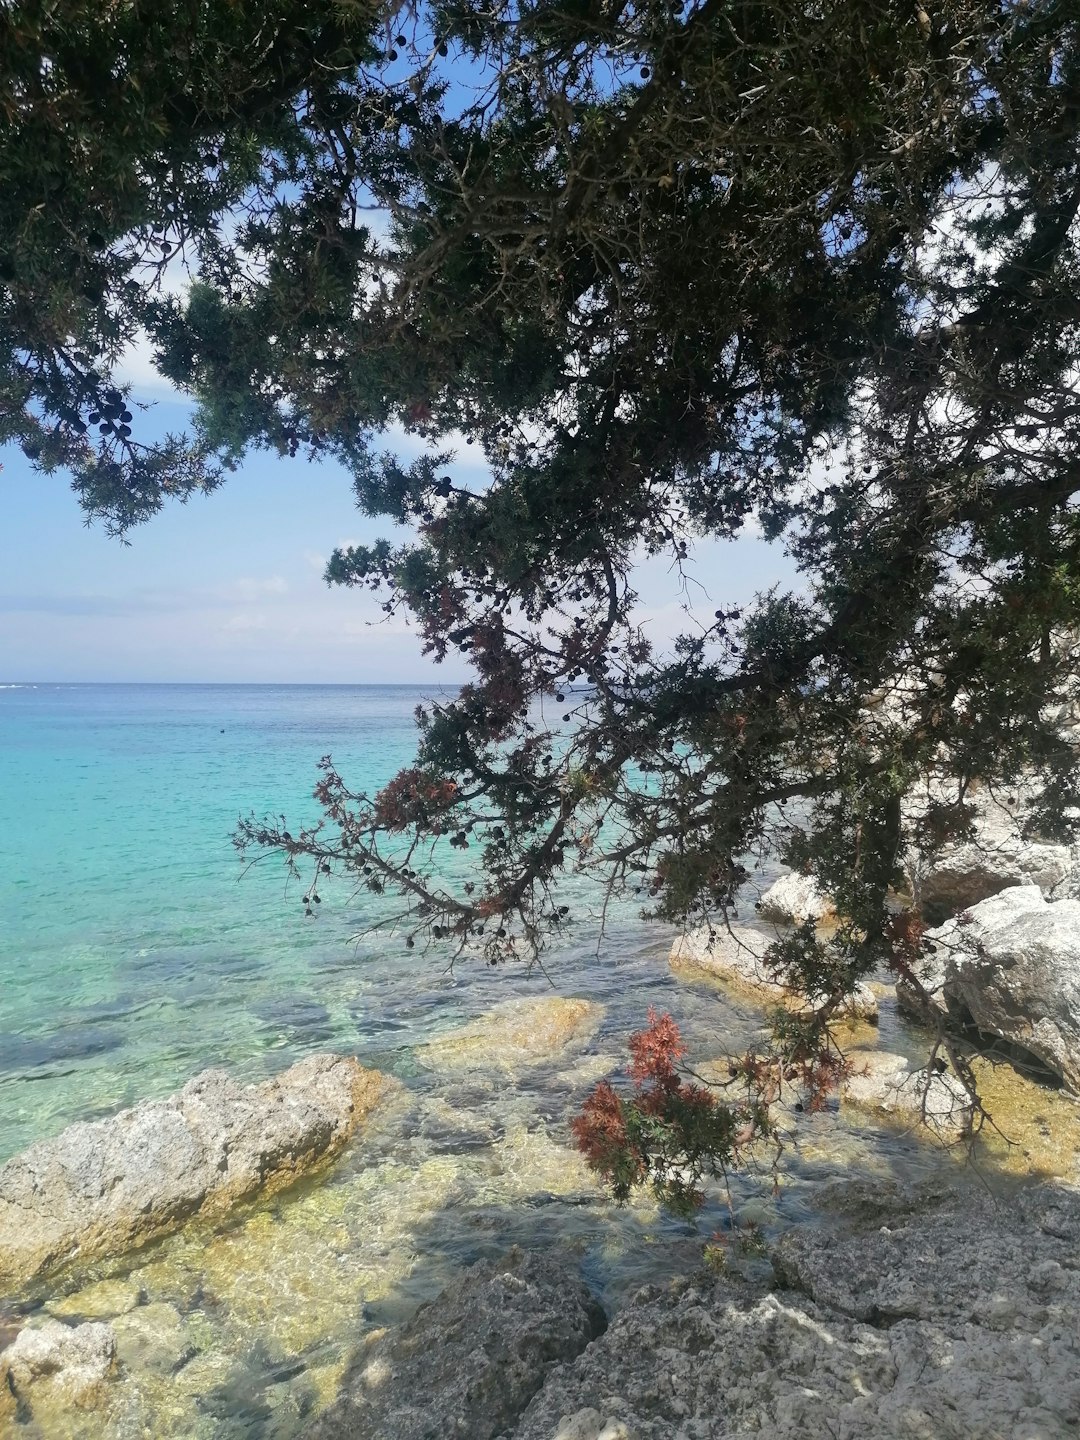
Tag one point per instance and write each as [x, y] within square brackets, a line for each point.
[254, 684]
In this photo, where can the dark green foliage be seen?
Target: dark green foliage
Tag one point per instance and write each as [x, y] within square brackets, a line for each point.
[132, 135]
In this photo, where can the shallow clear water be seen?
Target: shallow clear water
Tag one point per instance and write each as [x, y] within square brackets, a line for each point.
[131, 952]
[132, 956]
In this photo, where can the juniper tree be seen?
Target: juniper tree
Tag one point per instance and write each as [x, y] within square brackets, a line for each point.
[675, 269]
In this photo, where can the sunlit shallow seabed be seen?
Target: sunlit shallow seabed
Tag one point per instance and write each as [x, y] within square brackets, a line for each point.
[130, 959]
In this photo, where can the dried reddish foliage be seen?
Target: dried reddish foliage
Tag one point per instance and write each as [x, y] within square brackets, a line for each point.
[600, 1132]
[655, 1050]
[673, 1133]
[411, 797]
[668, 1131]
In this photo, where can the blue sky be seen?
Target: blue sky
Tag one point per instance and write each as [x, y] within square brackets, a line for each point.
[229, 587]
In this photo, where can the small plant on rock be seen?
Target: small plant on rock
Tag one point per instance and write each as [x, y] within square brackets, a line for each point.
[674, 1133]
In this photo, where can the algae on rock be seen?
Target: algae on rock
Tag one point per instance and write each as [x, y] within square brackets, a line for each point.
[517, 1033]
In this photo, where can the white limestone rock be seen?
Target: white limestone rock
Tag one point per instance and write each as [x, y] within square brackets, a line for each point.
[735, 954]
[52, 1366]
[1011, 966]
[997, 857]
[105, 1186]
[890, 1085]
[952, 1322]
[468, 1363]
[795, 899]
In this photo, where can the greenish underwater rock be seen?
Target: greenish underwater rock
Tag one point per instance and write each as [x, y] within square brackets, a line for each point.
[735, 954]
[515, 1035]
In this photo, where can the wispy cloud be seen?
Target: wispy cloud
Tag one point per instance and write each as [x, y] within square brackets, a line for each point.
[248, 589]
[245, 590]
[137, 604]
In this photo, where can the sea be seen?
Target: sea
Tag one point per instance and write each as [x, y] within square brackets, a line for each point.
[137, 949]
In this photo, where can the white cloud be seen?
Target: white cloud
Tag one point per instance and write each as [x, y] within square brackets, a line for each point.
[247, 589]
[136, 368]
[244, 623]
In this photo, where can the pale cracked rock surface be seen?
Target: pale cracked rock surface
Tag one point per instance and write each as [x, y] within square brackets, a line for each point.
[105, 1186]
[954, 1322]
[1011, 966]
[795, 899]
[49, 1367]
[908, 1094]
[735, 954]
[468, 1363]
[997, 856]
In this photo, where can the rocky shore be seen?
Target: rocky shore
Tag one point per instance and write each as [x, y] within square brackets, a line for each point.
[912, 1316]
[110, 1185]
[908, 1315]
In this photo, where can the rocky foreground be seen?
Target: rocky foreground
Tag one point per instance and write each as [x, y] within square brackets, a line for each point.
[904, 1315]
[916, 1317]
[106, 1186]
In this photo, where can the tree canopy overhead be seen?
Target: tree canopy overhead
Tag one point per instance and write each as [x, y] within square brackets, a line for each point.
[675, 269]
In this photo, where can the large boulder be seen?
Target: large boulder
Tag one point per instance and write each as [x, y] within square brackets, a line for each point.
[469, 1362]
[1010, 966]
[104, 1186]
[795, 899]
[735, 954]
[997, 856]
[51, 1367]
[954, 1322]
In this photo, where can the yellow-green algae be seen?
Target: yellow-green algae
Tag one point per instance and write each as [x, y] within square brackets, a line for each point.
[1035, 1129]
[515, 1034]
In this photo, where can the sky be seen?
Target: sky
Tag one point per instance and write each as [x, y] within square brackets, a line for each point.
[229, 587]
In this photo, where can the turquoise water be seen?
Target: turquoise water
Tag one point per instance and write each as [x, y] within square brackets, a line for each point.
[134, 951]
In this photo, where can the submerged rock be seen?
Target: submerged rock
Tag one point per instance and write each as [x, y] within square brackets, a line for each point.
[795, 899]
[515, 1033]
[958, 1321]
[100, 1300]
[736, 954]
[469, 1362]
[889, 1084]
[152, 1338]
[49, 1367]
[1010, 966]
[105, 1186]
